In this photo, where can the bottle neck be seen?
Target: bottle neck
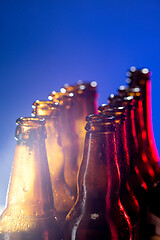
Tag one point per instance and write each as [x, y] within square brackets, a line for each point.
[122, 150]
[132, 142]
[147, 116]
[141, 78]
[121, 140]
[146, 102]
[99, 177]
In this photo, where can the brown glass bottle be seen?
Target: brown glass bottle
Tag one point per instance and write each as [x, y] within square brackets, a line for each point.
[85, 95]
[30, 210]
[63, 200]
[68, 138]
[98, 213]
[127, 196]
[141, 78]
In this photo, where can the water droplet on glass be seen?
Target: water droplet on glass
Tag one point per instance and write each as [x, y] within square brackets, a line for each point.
[25, 189]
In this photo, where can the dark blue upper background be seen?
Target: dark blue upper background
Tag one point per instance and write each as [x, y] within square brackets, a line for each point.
[44, 44]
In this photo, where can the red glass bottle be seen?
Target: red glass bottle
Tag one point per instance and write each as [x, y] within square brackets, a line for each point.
[142, 161]
[142, 78]
[137, 171]
[127, 196]
[98, 212]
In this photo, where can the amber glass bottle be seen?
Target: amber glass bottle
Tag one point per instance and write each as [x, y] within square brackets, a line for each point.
[68, 138]
[98, 213]
[127, 196]
[30, 213]
[85, 95]
[63, 201]
[141, 78]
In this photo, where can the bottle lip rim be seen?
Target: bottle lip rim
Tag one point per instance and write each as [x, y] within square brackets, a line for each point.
[107, 108]
[100, 118]
[81, 87]
[138, 76]
[61, 98]
[30, 121]
[133, 70]
[44, 104]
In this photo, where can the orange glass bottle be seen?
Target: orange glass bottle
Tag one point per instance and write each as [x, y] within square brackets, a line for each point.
[98, 213]
[30, 213]
[141, 78]
[127, 196]
[63, 200]
[85, 95]
[68, 138]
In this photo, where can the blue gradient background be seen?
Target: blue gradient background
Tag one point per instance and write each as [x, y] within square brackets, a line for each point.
[44, 44]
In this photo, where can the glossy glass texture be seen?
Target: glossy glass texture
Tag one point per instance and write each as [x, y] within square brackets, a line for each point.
[68, 137]
[30, 212]
[85, 95]
[137, 153]
[138, 175]
[98, 212]
[142, 78]
[63, 200]
[141, 130]
[127, 196]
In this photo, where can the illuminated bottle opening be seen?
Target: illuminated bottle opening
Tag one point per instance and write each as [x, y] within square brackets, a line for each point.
[30, 209]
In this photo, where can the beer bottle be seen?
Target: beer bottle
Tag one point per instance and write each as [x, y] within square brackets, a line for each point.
[63, 200]
[138, 168]
[127, 196]
[68, 138]
[142, 78]
[85, 95]
[98, 212]
[142, 161]
[30, 213]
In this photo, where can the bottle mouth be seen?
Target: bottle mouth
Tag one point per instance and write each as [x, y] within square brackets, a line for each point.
[138, 77]
[30, 121]
[30, 129]
[81, 87]
[44, 108]
[118, 111]
[100, 124]
[99, 118]
[123, 91]
[62, 98]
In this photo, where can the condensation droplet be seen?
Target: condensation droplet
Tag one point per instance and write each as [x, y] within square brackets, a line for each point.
[25, 189]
